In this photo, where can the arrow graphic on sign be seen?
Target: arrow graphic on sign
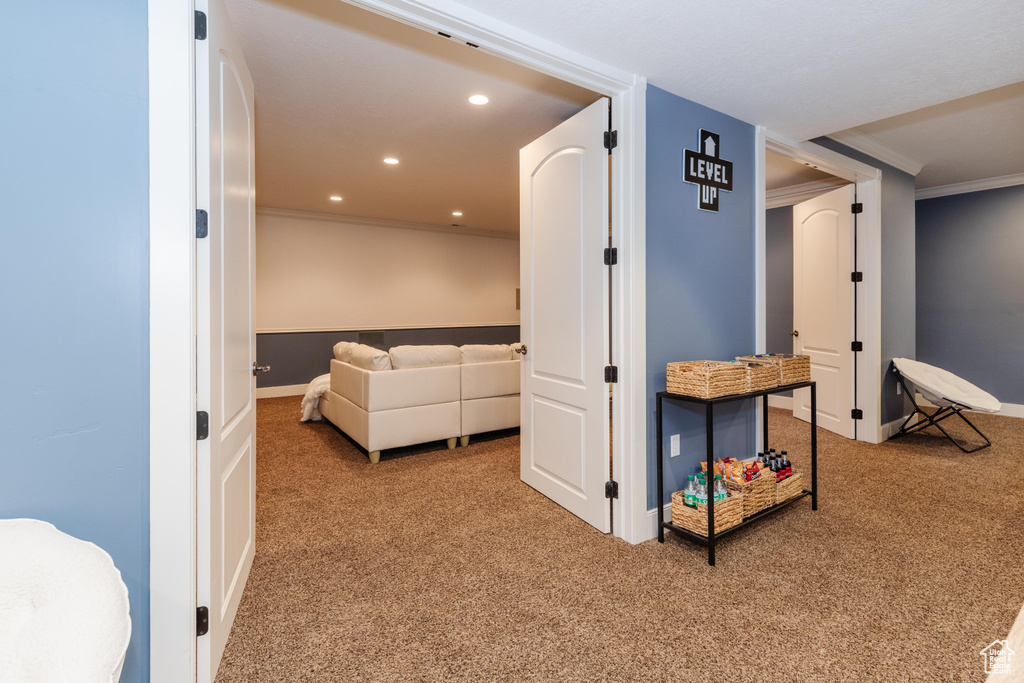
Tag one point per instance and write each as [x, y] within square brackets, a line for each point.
[709, 146]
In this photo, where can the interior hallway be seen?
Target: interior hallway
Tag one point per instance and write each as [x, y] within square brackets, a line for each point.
[442, 565]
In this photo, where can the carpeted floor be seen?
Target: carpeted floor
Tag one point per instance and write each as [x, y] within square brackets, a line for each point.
[440, 565]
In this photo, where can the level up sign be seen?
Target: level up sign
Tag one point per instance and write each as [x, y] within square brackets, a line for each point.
[705, 169]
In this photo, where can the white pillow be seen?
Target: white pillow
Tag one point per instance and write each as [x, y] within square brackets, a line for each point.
[424, 356]
[343, 350]
[485, 353]
[369, 358]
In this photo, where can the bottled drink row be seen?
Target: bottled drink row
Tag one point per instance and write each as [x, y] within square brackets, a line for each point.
[766, 464]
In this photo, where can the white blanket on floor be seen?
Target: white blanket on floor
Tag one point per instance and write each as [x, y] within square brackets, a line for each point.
[311, 401]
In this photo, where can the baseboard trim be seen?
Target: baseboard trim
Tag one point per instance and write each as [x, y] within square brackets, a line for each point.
[277, 392]
[1012, 410]
[785, 402]
[651, 524]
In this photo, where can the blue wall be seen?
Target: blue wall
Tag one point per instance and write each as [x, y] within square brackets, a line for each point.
[700, 278]
[899, 308]
[779, 279]
[74, 187]
[970, 286]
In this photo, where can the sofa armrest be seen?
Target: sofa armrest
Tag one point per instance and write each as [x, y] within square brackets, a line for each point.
[347, 381]
[482, 380]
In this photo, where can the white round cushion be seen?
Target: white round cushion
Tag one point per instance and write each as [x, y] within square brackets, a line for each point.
[63, 607]
[943, 388]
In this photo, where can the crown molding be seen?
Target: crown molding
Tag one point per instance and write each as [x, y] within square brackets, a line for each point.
[970, 186]
[794, 194]
[382, 223]
[857, 139]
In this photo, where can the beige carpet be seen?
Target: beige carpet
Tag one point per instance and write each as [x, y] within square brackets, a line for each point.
[440, 565]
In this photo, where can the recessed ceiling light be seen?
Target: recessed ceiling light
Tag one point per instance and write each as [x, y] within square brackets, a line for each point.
[456, 213]
[391, 160]
[479, 99]
[335, 198]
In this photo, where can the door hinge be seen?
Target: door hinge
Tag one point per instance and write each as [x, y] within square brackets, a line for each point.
[200, 25]
[202, 425]
[202, 223]
[856, 276]
[857, 414]
[611, 140]
[611, 374]
[611, 489]
[856, 207]
[611, 256]
[202, 621]
[856, 346]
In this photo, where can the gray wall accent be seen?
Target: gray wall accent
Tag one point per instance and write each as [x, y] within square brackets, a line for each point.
[779, 281]
[899, 287]
[970, 283]
[299, 357]
[700, 279]
[74, 282]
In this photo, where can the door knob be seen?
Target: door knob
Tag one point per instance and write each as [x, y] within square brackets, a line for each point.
[256, 369]
[795, 333]
[520, 349]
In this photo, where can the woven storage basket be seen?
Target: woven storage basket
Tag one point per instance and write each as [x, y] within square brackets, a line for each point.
[788, 488]
[757, 494]
[706, 378]
[762, 376]
[728, 513]
[792, 369]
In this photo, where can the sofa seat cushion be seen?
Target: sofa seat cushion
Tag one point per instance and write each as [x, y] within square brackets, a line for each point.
[485, 353]
[404, 357]
[369, 358]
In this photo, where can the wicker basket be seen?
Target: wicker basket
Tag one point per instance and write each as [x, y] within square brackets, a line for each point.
[788, 488]
[706, 378]
[792, 369]
[728, 513]
[757, 494]
[762, 376]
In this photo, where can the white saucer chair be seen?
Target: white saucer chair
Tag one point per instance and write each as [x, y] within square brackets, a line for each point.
[942, 388]
[63, 607]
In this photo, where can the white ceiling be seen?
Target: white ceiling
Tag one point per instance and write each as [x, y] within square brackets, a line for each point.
[339, 88]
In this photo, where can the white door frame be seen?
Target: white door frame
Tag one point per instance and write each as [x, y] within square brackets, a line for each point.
[869, 229]
[172, 448]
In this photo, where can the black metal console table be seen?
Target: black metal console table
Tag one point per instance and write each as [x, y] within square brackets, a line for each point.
[709, 404]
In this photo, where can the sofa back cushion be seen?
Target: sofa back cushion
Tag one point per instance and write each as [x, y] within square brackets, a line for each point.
[485, 353]
[343, 350]
[369, 358]
[404, 357]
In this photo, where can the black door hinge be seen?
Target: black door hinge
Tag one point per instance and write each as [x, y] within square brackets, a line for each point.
[857, 414]
[856, 207]
[200, 25]
[611, 140]
[856, 276]
[856, 346]
[611, 256]
[611, 374]
[202, 621]
[202, 425]
[611, 489]
[202, 223]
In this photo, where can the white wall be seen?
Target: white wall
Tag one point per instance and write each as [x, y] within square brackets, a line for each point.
[320, 272]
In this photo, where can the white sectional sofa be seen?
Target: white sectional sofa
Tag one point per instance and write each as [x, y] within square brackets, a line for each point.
[416, 394]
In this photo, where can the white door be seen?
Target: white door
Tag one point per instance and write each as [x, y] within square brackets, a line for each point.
[563, 233]
[823, 306]
[226, 341]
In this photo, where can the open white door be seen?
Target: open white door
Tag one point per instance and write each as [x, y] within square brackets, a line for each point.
[563, 233]
[226, 340]
[823, 306]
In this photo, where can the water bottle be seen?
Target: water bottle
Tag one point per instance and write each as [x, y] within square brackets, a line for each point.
[721, 492]
[690, 492]
[702, 493]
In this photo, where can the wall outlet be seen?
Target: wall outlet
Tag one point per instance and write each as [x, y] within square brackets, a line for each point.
[674, 445]
[899, 388]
